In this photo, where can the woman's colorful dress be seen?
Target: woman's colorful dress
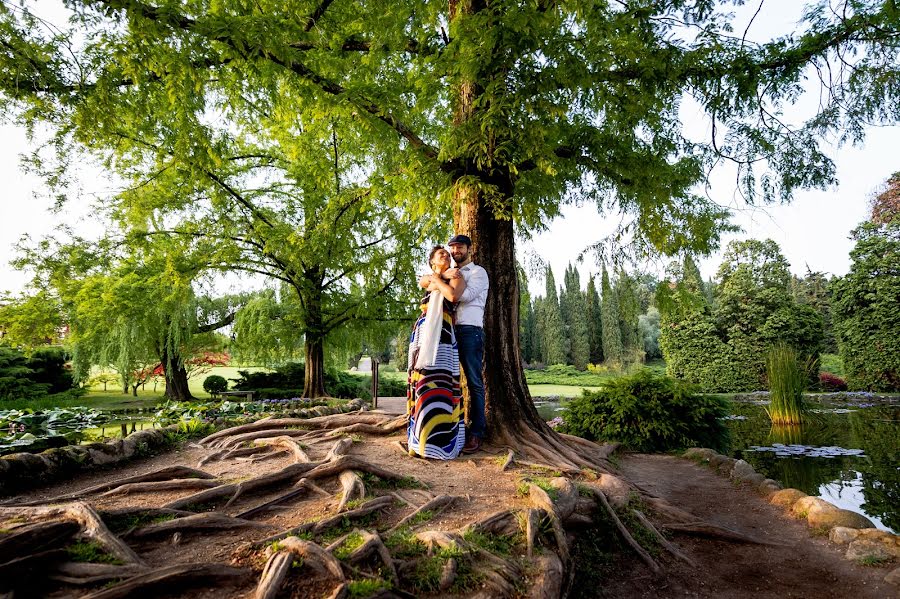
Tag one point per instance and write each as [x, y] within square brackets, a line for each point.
[433, 398]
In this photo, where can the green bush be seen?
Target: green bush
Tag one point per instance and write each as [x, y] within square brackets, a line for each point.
[648, 412]
[215, 384]
[288, 381]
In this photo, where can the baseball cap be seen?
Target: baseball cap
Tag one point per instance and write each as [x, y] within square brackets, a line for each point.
[465, 239]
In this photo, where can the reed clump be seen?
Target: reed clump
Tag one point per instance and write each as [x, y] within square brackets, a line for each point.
[788, 376]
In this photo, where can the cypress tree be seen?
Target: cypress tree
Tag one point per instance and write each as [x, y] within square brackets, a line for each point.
[612, 333]
[526, 316]
[552, 333]
[629, 311]
[594, 323]
[576, 324]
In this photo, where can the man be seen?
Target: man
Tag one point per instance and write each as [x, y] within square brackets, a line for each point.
[470, 335]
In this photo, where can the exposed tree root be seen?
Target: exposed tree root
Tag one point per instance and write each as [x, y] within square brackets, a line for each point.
[626, 534]
[208, 521]
[302, 487]
[705, 529]
[386, 428]
[326, 523]
[288, 444]
[86, 574]
[448, 574]
[167, 473]
[12, 572]
[236, 441]
[279, 564]
[510, 458]
[35, 538]
[372, 544]
[284, 475]
[352, 488]
[349, 462]
[548, 582]
[436, 505]
[91, 523]
[500, 575]
[179, 576]
[669, 546]
[340, 447]
[178, 484]
[541, 500]
[533, 519]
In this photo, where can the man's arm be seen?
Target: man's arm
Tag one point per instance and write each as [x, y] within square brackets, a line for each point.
[476, 286]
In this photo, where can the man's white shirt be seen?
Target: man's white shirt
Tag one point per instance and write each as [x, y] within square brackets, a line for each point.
[470, 310]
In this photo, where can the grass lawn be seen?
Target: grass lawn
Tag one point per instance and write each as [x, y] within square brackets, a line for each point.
[557, 390]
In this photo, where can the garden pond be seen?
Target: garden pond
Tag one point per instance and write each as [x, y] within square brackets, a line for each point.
[846, 452]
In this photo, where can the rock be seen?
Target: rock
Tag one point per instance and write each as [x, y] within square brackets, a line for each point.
[843, 535]
[742, 470]
[867, 550]
[699, 453]
[811, 506]
[786, 497]
[104, 453]
[767, 487]
[726, 466]
[893, 577]
[842, 518]
[717, 459]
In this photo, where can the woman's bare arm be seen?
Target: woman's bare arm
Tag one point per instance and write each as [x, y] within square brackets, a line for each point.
[451, 290]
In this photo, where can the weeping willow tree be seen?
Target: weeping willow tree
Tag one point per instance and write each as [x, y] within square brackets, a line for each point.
[130, 307]
[502, 111]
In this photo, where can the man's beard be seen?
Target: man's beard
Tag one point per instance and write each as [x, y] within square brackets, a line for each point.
[461, 258]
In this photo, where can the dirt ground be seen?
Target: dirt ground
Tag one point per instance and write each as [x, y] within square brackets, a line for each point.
[804, 566]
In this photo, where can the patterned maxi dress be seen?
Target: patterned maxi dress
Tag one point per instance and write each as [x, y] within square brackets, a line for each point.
[433, 399]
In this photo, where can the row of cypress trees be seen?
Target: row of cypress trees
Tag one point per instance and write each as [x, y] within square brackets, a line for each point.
[579, 326]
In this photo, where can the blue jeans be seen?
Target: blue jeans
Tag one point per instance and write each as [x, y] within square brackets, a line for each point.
[470, 341]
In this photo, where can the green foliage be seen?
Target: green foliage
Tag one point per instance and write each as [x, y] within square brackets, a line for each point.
[593, 311]
[613, 350]
[649, 332]
[31, 320]
[215, 384]
[575, 319]
[90, 552]
[350, 544]
[720, 345]
[832, 363]
[16, 378]
[647, 412]
[787, 380]
[867, 321]
[550, 324]
[564, 374]
[629, 312]
[366, 587]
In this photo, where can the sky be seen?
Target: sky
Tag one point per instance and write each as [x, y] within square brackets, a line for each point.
[813, 231]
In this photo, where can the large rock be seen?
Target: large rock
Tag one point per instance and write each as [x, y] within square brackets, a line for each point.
[615, 489]
[786, 497]
[862, 550]
[842, 535]
[743, 471]
[812, 506]
[842, 518]
[699, 453]
[726, 465]
[768, 487]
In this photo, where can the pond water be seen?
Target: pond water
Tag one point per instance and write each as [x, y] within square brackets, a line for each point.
[847, 452]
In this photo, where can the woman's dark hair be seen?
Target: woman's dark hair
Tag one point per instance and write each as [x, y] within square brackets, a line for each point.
[433, 251]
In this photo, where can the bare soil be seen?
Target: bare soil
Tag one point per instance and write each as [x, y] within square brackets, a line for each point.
[805, 566]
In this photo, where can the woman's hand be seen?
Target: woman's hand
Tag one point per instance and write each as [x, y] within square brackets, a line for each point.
[425, 281]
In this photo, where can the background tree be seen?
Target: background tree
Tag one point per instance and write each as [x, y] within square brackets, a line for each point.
[527, 323]
[613, 350]
[865, 301]
[629, 311]
[553, 338]
[503, 109]
[576, 320]
[31, 320]
[885, 206]
[814, 289]
[593, 314]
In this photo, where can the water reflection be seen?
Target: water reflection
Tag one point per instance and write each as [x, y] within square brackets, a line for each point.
[845, 454]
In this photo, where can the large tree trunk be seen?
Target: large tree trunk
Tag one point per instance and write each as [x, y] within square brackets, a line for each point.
[314, 382]
[508, 402]
[176, 377]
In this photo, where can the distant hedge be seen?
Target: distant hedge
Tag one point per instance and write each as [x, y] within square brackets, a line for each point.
[288, 380]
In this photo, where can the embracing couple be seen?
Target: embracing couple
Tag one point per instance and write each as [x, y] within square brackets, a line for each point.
[448, 333]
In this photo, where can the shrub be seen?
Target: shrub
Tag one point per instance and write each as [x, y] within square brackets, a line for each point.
[831, 382]
[288, 381]
[215, 384]
[647, 412]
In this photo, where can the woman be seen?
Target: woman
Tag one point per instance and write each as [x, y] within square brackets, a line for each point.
[436, 425]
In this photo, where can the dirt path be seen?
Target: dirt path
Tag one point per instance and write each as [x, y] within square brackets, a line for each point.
[805, 567]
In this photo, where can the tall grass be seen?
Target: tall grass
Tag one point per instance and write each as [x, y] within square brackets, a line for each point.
[788, 378]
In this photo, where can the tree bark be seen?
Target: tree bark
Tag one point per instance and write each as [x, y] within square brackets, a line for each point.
[176, 377]
[314, 382]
